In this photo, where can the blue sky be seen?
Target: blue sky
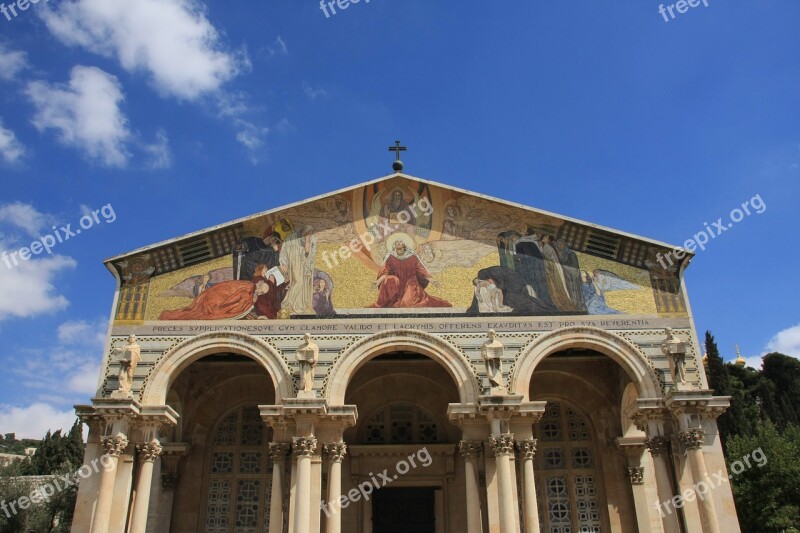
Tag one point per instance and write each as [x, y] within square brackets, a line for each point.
[181, 114]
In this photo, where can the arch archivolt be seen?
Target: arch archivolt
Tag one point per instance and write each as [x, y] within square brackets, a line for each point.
[176, 359]
[363, 351]
[622, 351]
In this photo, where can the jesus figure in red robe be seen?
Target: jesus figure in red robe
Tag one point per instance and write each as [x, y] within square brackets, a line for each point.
[403, 278]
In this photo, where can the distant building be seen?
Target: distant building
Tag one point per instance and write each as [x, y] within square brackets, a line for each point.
[474, 366]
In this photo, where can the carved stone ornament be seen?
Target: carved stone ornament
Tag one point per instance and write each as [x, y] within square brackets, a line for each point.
[470, 448]
[278, 451]
[675, 349]
[149, 451]
[527, 448]
[307, 357]
[657, 445]
[492, 353]
[304, 446]
[692, 438]
[169, 480]
[636, 475]
[115, 446]
[129, 358]
[335, 451]
[502, 444]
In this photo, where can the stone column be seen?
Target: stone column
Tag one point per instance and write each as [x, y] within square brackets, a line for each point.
[335, 452]
[114, 446]
[503, 448]
[147, 455]
[658, 447]
[470, 450]
[303, 449]
[277, 452]
[692, 439]
[527, 451]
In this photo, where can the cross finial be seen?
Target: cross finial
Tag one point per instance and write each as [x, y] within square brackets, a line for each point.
[397, 165]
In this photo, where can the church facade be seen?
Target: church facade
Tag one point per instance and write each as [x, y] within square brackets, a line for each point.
[403, 356]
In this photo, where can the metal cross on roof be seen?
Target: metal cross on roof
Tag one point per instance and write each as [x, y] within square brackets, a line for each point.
[397, 165]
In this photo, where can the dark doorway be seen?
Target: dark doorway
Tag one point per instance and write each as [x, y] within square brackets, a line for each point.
[404, 510]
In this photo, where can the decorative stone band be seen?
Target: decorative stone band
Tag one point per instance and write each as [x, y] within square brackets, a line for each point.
[149, 451]
[636, 475]
[304, 446]
[470, 449]
[657, 445]
[169, 480]
[527, 449]
[114, 446]
[335, 451]
[692, 438]
[278, 451]
[502, 444]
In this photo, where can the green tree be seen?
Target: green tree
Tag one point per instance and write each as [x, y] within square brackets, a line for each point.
[768, 496]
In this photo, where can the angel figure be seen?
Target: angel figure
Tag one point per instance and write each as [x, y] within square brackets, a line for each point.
[596, 284]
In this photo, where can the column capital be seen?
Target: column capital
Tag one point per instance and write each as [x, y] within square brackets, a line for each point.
[115, 446]
[657, 445]
[527, 448]
[149, 451]
[470, 448]
[304, 446]
[692, 438]
[502, 444]
[335, 451]
[636, 475]
[278, 451]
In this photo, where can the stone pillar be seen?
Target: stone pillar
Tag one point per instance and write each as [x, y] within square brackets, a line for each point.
[470, 450]
[335, 452]
[277, 452]
[636, 478]
[503, 448]
[659, 450]
[303, 449]
[692, 439]
[147, 455]
[527, 451]
[114, 446]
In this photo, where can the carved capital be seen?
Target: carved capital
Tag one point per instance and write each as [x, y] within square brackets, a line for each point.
[304, 446]
[149, 451]
[636, 475]
[527, 449]
[692, 438]
[335, 451]
[470, 449]
[656, 445]
[169, 480]
[278, 451]
[502, 444]
[115, 446]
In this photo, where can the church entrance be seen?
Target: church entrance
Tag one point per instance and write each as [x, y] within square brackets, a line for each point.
[404, 510]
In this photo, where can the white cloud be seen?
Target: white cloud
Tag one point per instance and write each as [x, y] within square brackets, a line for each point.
[786, 342]
[83, 333]
[278, 47]
[11, 150]
[29, 288]
[34, 421]
[85, 112]
[24, 216]
[11, 63]
[312, 92]
[172, 40]
[250, 135]
[159, 152]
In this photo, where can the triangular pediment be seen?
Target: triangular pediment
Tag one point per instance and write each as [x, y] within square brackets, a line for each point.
[399, 245]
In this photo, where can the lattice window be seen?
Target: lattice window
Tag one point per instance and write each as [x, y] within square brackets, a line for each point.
[240, 486]
[566, 474]
[401, 423]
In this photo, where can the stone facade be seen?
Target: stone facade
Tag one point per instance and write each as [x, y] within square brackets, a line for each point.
[581, 426]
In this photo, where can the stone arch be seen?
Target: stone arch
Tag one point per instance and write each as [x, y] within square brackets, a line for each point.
[187, 352]
[634, 363]
[420, 342]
